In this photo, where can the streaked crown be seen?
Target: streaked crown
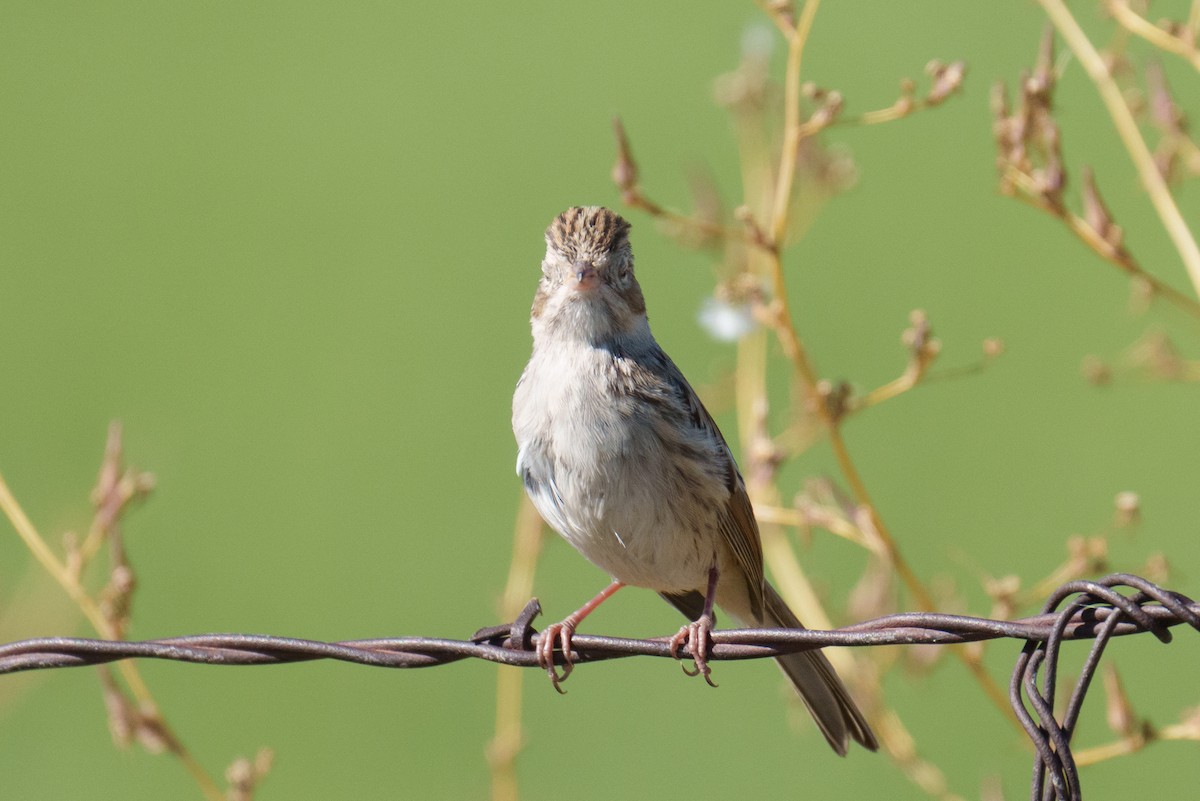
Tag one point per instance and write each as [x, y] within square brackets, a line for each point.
[584, 233]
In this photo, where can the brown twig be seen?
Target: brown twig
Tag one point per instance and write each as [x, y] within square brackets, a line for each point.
[112, 496]
[782, 322]
[1181, 42]
[1127, 129]
[508, 739]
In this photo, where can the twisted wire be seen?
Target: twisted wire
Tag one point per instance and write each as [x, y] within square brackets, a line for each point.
[1091, 610]
[1106, 613]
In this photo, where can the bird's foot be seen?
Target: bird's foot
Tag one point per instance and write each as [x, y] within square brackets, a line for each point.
[697, 636]
[561, 633]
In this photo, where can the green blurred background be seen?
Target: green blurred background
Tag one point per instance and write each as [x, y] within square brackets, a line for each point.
[292, 247]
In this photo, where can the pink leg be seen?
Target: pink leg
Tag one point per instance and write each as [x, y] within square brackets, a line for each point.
[697, 634]
[562, 633]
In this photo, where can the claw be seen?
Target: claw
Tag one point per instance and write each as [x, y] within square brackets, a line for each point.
[561, 632]
[697, 636]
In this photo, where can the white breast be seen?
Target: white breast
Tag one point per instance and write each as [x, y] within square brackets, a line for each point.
[603, 473]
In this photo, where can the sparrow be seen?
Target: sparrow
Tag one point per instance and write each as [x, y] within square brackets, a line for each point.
[621, 458]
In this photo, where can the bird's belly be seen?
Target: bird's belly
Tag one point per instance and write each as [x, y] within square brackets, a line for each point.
[662, 557]
[619, 471]
[627, 509]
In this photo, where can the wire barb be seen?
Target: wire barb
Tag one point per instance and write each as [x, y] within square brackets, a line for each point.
[1114, 606]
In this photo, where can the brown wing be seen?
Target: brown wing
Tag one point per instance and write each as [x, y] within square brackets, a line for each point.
[737, 523]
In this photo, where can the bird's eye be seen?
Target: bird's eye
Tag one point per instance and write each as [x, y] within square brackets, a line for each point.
[623, 275]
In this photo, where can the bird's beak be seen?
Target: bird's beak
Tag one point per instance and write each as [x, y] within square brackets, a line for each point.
[584, 277]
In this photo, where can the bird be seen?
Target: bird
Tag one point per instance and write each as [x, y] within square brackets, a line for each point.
[621, 458]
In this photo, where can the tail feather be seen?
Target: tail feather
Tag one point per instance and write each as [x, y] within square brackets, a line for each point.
[818, 684]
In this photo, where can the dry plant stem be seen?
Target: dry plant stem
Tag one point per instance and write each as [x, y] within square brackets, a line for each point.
[750, 381]
[782, 320]
[1152, 180]
[75, 591]
[625, 175]
[1138, 25]
[751, 377]
[41, 551]
[777, 515]
[897, 111]
[796, 353]
[1131, 745]
[785, 567]
[752, 405]
[971, 658]
[897, 386]
[1086, 234]
[909, 381]
[793, 131]
[779, 16]
[638, 200]
[502, 751]
[1192, 151]
[900, 745]
[1103, 753]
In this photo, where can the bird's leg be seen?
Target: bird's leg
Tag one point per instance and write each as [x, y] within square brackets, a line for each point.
[697, 634]
[562, 633]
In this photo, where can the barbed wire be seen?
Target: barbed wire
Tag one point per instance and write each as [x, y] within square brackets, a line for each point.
[1094, 610]
[1105, 610]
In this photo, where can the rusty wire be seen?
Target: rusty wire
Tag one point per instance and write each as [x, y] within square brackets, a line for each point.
[1094, 610]
[1103, 610]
